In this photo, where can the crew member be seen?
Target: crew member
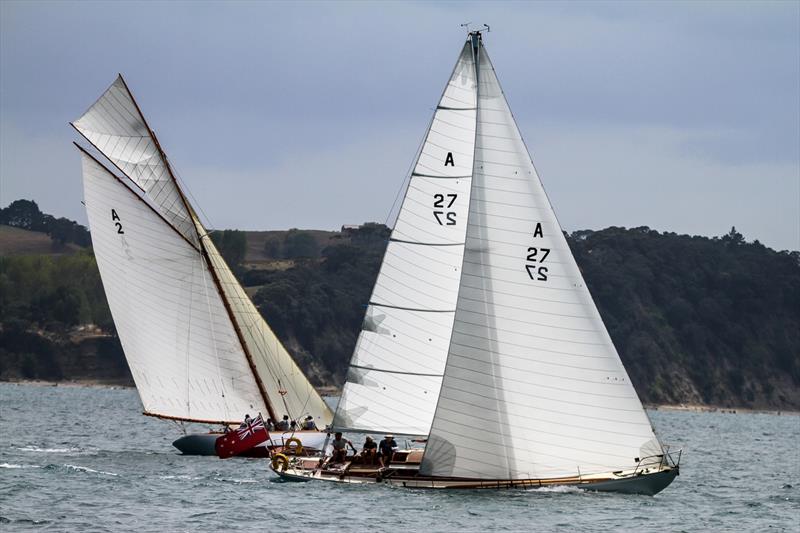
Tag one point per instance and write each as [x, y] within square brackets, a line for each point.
[283, 425]
[387, 448]
[340, 445]
[309, 424]
[370, 451]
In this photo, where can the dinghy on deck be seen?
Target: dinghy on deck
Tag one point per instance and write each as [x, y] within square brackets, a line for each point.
[481, 334]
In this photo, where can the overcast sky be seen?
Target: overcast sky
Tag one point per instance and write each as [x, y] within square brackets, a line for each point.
[682, 116]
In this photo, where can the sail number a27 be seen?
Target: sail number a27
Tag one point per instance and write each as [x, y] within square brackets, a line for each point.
[441, 202]
[536, 256]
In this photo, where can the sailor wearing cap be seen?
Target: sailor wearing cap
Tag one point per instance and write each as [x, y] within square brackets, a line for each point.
[387, 448]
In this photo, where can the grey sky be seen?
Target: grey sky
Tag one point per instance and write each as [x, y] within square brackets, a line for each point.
[682, 116]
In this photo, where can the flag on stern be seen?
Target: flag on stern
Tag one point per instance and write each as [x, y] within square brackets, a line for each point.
[251, 433]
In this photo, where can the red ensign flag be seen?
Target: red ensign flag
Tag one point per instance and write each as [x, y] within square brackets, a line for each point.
[251, 433]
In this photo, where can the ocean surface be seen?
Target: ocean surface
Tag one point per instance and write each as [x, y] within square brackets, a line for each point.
[84, 459]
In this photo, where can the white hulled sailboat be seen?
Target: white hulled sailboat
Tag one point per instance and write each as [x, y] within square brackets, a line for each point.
[481, 333]
[198, 349]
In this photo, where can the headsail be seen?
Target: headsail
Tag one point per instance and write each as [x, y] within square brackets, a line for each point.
[395, 372]
[116, 127]
[181, 348]
[533, 386]
[287, 388]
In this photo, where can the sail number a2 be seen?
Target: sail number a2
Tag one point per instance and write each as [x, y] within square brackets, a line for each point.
[117, 222]
[444, 217]
[536, 256]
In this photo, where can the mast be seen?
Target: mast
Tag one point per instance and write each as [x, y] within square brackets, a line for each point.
[475, 41]
[204, 251]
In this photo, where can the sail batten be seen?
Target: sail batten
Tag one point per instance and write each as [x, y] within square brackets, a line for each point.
[530, 361]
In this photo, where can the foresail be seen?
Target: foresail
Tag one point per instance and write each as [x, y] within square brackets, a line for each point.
[116, 127]
[533, 386]
[287, 388]
[395, 372]
[181, 348]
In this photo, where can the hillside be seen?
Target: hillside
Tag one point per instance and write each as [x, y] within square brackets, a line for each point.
[18, 241]
[698, 320]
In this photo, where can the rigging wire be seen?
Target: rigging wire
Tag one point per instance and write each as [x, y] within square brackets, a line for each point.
[407, 178]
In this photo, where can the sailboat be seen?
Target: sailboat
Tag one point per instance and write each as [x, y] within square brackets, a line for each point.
[197, 347]
[481, 337]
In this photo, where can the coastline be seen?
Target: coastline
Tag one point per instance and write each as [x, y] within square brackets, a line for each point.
[334, 391]
[697, 408]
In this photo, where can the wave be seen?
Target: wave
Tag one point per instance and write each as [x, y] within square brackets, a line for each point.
[558, 489]
[234, 480]
[89, 470]
[37, 449]
[8, 465]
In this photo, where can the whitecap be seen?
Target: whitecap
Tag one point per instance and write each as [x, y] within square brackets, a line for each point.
[37, 449]
[90, 470]
[8, 465]
[558, 489]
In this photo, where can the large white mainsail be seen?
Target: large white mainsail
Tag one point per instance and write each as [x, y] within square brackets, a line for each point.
[179, 342]
[533, 387]
[116, 127]
[395, 372]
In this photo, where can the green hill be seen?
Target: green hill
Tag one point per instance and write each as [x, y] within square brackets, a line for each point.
[696, 320]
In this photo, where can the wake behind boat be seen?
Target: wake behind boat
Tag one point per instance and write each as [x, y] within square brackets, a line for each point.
[480, 335]
[197, 347]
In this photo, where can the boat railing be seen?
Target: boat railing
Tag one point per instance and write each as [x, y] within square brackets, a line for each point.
[670, 458]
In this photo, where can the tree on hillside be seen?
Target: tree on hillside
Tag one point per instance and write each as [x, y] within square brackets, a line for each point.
[24, 214]
[232, 244]
[300, 244]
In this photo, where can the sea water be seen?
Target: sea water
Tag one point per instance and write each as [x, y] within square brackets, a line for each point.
[85, 459]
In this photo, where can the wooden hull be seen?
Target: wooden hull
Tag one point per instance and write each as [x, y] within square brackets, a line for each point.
[648, 483]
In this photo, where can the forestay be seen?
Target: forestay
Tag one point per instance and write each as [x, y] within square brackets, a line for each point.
[395, 372]
[286, 386]
[182, 350]
[116, 127]
[533, 386]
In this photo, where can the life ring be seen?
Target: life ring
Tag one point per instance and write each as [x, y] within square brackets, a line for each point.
[280, 462]
[298, 449]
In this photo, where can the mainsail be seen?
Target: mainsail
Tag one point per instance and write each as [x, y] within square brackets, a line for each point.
[210, 362]
[533, 387]
[179, 342]
[396, 369]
